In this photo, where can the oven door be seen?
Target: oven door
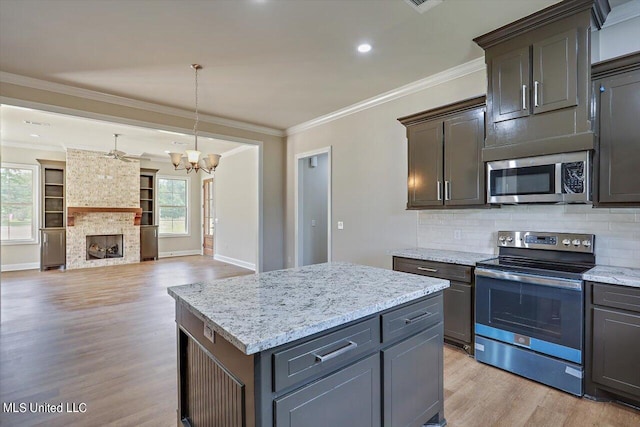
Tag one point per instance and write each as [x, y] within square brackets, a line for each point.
[544, 314]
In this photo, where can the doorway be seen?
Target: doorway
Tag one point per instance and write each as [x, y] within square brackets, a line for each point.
[313, 207]
[208, 217]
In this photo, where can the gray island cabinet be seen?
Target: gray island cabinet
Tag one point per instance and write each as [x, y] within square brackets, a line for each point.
[332, 344]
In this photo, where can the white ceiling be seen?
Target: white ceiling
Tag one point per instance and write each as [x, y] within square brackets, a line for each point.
[59, 132]
[272, 62]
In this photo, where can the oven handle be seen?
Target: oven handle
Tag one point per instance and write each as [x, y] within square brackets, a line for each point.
[554, 282]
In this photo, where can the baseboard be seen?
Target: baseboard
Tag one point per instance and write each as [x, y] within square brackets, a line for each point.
[179, 253]
[23, 266]
[234, 261]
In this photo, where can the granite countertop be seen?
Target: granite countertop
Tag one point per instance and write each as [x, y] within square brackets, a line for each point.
[614, 275]
[261, 311]
[453, 257]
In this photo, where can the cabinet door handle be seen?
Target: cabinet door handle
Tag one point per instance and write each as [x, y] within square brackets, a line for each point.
[155, 232]
[524, 97]
[323, 358]
[535, 93]
[438, 189]
[447, 190]
[417, 318]
[46, 239]
[430, 270]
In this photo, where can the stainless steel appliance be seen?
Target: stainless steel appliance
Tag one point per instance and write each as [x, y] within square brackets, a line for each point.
[557, 178]
[530, 306]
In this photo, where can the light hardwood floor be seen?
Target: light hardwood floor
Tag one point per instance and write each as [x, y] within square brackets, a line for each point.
[106, 337]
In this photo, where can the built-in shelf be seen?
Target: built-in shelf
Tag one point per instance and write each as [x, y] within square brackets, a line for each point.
[72, 210]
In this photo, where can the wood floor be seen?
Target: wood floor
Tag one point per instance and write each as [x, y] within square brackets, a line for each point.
[106, 337]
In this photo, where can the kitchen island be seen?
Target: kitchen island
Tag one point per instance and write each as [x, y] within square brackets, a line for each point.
[324, 345]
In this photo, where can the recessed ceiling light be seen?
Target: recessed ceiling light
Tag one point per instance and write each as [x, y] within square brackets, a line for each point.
[167, 151]
[35, 135]
[171, 133]
[364, 48]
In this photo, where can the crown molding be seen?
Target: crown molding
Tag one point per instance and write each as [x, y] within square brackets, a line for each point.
[63, 89]
[417, 86]
[236, 150]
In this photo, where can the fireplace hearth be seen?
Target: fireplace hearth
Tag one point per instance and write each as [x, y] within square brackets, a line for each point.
[103, 246]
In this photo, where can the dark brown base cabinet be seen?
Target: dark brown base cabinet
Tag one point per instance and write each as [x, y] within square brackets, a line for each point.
[613, 338]
[458, 297]
[148, 242]
[53, 248]
[391, 377]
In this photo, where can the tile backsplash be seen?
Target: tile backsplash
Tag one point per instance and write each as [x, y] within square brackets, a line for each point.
[617, 231]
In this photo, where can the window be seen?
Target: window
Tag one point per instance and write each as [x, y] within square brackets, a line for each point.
[19, 203]
[173, 206]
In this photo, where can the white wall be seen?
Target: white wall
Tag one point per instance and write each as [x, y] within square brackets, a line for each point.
[617, 230]
[313, 208]
[236, 208]
[620, 35]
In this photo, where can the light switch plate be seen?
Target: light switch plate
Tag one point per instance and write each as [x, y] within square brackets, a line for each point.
[340, 225]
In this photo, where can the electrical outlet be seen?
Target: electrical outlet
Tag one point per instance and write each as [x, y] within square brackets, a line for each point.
[340, 225]
[457, 235]
[313, 222]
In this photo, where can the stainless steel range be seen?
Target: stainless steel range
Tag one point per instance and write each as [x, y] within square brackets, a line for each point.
[530, 306]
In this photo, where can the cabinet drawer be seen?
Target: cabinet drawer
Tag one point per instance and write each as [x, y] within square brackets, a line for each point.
[412, 318]
[349, 397]
[442, 270]
[325, 354]
[623, 297]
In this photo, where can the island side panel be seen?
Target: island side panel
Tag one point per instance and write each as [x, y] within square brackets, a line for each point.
[231, 402]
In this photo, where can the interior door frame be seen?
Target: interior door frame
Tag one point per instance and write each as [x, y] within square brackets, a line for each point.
[203, 217]
[297, 234]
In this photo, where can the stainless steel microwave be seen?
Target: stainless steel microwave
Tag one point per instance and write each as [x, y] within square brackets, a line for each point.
[556, 178]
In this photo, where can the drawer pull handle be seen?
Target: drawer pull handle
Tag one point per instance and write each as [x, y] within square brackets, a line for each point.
[417, 318]
[430, 270]
[323, 358]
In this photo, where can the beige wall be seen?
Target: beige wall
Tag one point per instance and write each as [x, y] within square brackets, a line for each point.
[273, 155]
[236, 208]
[369, 173]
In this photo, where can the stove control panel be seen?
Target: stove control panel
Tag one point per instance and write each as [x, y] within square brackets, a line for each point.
[572, 242]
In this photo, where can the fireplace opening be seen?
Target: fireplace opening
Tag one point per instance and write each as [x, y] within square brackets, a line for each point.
[104, 246]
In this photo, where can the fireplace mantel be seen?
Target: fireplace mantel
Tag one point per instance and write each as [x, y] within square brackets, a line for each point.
[71, 211]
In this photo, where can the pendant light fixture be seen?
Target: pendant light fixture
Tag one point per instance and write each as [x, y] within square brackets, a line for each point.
[190, 160]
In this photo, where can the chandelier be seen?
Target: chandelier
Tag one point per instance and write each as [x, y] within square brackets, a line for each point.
[190, 160]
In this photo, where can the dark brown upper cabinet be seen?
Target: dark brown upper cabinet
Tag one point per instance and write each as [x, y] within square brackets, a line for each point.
[444, 153]
[538, 86]
[616, 88]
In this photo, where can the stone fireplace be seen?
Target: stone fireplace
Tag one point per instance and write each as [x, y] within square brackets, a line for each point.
[101, 246]
[102, 195]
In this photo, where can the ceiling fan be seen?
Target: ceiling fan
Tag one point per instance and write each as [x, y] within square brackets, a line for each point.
[115, 153]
